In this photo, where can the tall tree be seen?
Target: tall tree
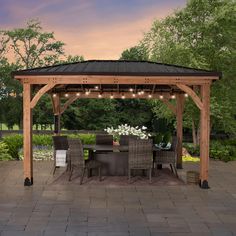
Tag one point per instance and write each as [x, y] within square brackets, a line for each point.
[201, 35]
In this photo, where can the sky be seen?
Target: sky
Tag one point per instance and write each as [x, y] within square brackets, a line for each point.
[96, 29]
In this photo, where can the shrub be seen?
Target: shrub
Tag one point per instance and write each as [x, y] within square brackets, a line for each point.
[14, 144]
[4, 152]
[191, 149]
[42, 140]
[85, 138]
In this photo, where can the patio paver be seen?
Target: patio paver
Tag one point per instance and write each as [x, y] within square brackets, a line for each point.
[54, 206]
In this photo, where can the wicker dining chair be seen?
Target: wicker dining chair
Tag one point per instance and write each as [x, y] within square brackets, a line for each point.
[124, 139]
[168, 156]
[140, 156]
[104, 139]
[76, 158]
[59, 143]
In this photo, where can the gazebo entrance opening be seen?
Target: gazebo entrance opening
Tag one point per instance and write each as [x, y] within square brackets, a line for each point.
[118, 79]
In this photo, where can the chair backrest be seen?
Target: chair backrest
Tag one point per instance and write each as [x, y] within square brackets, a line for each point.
[104, 139]
[174, 144]
[76, 152]
[140, 153]
[124, 139]
[60, 142]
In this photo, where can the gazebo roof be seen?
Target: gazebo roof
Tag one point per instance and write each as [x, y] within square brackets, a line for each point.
[117, 67]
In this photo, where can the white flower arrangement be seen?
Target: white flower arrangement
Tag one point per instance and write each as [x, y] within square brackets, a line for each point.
[125, 129]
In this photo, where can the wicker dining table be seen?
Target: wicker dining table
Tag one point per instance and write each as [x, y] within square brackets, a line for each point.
[113, 157]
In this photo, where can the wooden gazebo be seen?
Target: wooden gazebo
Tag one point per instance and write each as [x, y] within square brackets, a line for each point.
[118, 79]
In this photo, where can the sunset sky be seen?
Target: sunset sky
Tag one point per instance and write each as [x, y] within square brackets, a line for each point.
[96, 29]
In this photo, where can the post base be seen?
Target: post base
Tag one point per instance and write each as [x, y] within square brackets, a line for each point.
[204, 184]
[28, 182]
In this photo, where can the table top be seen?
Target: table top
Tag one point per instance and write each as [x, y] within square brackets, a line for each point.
[113, 148]
[124, 148]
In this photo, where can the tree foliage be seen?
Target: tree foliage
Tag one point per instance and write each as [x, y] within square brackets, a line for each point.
[201, 35]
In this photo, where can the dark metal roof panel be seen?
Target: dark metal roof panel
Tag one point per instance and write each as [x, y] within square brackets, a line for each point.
[116, 67]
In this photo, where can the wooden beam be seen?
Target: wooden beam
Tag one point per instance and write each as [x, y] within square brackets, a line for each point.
[192, 94]
[205, 136]
[27, 135]
[170, 105]
[115, 95]
[179, 118]
[107, 79]
[40, 93]
[68, 102]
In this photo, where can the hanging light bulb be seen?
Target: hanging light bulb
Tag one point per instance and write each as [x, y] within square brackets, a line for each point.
[149, 95]
[100, 95]
[139, 93]
[96, 87]
[123, 96]
[66, 95]
[54, 95]
[78, 94]
[161, 96]
[87, 92]
[173, 96]
[111, 96]
[134, 95]
[131, 89]
[142, 92]
[186, 95]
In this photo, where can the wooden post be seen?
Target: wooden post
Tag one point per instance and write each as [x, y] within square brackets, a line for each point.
[179, 117]
[57, 114]
[205, 136]
[57, 124]
[27, 132]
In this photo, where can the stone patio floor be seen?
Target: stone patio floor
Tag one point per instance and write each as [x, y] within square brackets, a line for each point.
[54, 206]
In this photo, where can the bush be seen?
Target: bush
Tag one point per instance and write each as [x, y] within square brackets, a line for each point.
[42, 140]
[14, 144]
[219, 150]
[191, 149]
[4, 152]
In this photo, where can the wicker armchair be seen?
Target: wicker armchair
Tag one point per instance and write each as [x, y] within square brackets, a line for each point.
[59, 143]
[140, 156]
[76, 158]
[104, 139]
[168, 156]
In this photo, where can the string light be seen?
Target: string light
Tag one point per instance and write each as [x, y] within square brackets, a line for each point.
[150, 95]
[172, 96]
[131, 89]
[100, 95]
[54, 95]
[96, 87]
[186, 95]
[139, 93]
[142, 92]
[123, 96]
[66, 95]
[77, 94]
[87, 92]
[161, 96]
[134, 95]
[111, 96]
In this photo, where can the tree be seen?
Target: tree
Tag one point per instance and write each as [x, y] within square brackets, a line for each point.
[137, 53]
[31, 47]
[202, 35]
